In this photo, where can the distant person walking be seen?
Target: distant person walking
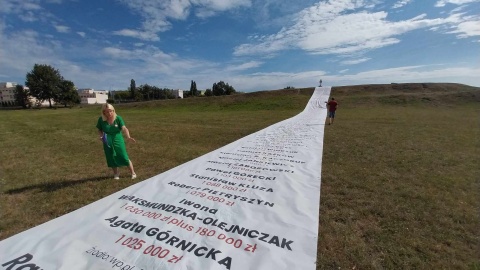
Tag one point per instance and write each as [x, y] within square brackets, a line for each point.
[320, 83]
[332, 107]
[110, 127]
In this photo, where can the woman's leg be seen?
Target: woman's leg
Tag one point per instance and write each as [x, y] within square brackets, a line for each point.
[132, 171]
[115, 172]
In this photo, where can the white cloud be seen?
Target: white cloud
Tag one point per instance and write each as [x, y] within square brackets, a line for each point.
[153, 62]
[355, 61]
[26, 10]
[82, 34]
[462, 26]
[157, 14]
[18, 6]
[401, 3]
[62, 28]
[28, 16]
[119, 53]
[221, 5]
[25, 5]
[467, 27]
[336, 27]
[442, 3]
[143, 35]
[204, 13]
[244, 66]
[208, 8]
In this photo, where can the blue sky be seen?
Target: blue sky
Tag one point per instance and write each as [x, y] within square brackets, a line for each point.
[251, 44]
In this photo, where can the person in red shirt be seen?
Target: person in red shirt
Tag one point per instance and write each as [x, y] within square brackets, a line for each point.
[332, 107]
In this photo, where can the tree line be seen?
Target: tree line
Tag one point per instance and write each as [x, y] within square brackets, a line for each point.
[149, 92]
[141, 93]
[46, 83]
[218, 89]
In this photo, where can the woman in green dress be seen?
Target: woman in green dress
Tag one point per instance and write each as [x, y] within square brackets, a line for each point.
[110, 127]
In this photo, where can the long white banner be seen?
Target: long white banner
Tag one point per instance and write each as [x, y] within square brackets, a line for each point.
[252, 204]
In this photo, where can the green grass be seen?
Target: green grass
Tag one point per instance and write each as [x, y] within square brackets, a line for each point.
[401, 189]
[400, 174]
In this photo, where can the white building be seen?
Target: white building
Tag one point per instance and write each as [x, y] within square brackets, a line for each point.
[7, 91]
[177, 93]
[7, 94]
[90, 96]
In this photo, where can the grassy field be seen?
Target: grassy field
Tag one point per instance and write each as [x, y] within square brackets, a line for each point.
[400, 176]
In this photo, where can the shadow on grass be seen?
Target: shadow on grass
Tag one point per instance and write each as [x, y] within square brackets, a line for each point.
[53, 186]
